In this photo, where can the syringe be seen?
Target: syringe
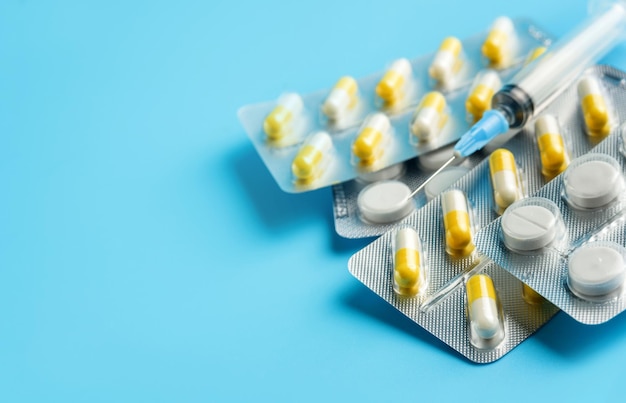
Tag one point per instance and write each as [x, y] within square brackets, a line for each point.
[532, 89]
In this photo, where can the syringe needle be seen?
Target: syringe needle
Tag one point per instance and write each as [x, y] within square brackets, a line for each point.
[444, 166]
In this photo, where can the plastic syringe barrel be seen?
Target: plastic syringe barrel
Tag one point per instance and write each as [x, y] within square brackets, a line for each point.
[532, 88]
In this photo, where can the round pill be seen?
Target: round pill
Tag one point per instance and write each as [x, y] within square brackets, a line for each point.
[385, 202]
[444, 180]
[528, 227]
[592, 184]
[595, 270]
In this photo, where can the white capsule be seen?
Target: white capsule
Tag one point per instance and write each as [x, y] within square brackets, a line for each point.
[457, 223]
[504, 179]
[429, 116]
[369, 143]
[479, 98]
[594, 107]
[408, 276]
[483, 308]
[447, 61]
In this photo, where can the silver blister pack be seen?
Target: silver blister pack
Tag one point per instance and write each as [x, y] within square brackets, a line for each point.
[337, 160]
[435, 307]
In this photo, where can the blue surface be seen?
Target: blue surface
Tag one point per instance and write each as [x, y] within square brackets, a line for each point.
[147, 255]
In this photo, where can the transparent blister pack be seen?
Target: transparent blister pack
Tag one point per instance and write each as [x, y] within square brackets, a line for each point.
[361, 126]
[507, 177]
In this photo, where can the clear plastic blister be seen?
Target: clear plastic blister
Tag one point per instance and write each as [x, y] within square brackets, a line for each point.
[278, 128]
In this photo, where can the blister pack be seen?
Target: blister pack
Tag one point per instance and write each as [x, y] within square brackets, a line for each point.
[362, 126]
[435, 284]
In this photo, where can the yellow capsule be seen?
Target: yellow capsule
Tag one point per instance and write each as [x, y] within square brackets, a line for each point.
[531, 296]
[392, 87]
[594, 108]
[504, 179]
[497, 46]
[554, 156]
[369, 143]
[341, 99]
[407, 270]
[481, 92]
[447, 61]
[279, 123]
[482, 307]
[535, 53]
[309, 162]
[456, 221]
[429, 116]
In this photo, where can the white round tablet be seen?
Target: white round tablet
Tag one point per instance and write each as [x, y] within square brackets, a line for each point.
[528, 227]
[443, 181]
[593, 183]
[384, 174]
[385, 202]
[433, 160]
[596, 270]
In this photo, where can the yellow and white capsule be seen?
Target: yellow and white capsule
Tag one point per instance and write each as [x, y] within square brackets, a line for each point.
[408, 277]
[534, 54]
[478, 101]
[594, 107]
[498, 47]
[554, 156]
[393, 86]
[369, 143]
[447, 61]
[312, 157]
[281, 120]
[457, 223]
[429, 117]
[342, 99]
[482, 307]
[504, 179]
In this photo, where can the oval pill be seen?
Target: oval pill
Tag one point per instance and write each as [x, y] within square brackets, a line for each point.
[385, 202]
[456, 221]
[478, 101]
[429, 116]
[504, 179]
[528, 227]
[407, 271]
[369, 143]
[482, 307]
[596, 269]
[497, 47]
[281, 119]
[594, 108]
[309, 162]
[593, 183]
[447, 61]
[554, 156]
[341, 99]
[392, 87]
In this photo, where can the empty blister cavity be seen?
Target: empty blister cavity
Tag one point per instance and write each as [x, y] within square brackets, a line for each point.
[486, 83]
[391, 172]
[447, 62]
[443, 181]
[397, 84]
[501, 43]
[592, 182]
[596, 271]
[594, 106]
[369, 145]
[553, 153]
[342, 102]
[429, 117]
[285, 119]
[313, 158]
[531, 225]
[457, 223]
[433, 160]
[409, 271]
[505, 180]
[385, 202]
[484, 314]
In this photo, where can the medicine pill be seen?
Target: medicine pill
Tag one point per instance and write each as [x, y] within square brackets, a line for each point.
[554, 156]
[504, 179]
[447, 61]
[594, 107]
[407, 268]
[385, 202]
[478, 101]
[342, 99]
[593, 182]
[498, 46]
[281, 120]
[370, 141]
[596, 269]
[393, 86]
[443, 181]
[457, 224]
[311, 159]
[429, 116]
[528, 227]
[483, 312]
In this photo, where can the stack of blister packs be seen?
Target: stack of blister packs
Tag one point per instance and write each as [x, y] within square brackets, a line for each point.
[499, 242]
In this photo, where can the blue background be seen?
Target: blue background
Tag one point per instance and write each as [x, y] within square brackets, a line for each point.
[147, 255]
